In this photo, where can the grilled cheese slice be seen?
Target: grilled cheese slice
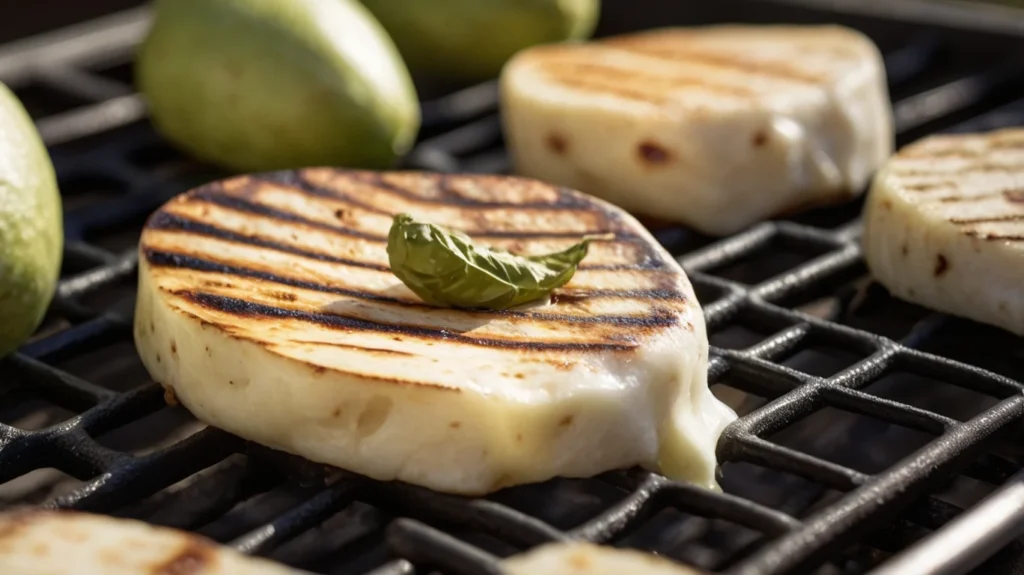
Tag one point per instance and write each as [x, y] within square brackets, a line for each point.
[716, 127]
[267, 307]
[589, 559]
[944, 226]
[41, 542]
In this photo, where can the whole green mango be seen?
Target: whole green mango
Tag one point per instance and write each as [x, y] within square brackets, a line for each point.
[258, 85]
[472, 39]
[31, 225]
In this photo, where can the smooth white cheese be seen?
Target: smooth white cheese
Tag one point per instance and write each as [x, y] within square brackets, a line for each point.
[716, 127]
[944, 226]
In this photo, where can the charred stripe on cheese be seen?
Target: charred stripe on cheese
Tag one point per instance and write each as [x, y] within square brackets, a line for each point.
[705, 57]
[243, 205]
[189, 262]
[173, 222]
[248, 309]
[634, 83]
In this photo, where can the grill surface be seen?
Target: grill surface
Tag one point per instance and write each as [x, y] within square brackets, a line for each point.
[868, 423]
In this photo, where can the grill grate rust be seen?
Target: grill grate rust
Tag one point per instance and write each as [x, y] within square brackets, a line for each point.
[868, 423]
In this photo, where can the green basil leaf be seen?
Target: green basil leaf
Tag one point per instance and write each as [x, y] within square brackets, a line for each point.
[444, 268]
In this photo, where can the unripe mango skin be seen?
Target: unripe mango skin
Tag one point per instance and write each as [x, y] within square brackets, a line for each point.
[257, 85]
[31, 225]
[472, 39]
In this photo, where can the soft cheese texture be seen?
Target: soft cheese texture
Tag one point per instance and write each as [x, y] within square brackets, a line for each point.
[38, 542]
[717, 127]
[588, 559]
[944, 226]
[266, 305]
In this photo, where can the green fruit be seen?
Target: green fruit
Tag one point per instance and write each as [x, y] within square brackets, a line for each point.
[472, 39]
[258, 85]
[31, 225]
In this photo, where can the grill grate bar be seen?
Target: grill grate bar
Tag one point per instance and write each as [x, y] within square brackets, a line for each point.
[424, 544]
[875, 496]
[891, 411]
[773, 456]
[312, 512]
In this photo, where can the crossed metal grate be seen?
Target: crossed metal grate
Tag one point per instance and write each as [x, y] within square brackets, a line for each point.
[861, 414]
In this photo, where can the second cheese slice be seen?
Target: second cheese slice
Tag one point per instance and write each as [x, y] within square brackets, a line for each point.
[716, 128]
[944, 226]
[266, 305]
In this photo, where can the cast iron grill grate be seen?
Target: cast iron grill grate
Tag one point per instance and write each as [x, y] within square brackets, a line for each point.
[867, 423]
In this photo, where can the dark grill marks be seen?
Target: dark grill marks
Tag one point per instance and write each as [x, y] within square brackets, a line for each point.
[297, 181]
[925, 186]
[211, 195]
[982, 167]
[988, 220]
[632, 83]
[253, 310]
[648, 259]
[167, 259]
[958, 199]
[373, 350]
[994, 236]
[448, 195]
[166, 221]
[677, 53]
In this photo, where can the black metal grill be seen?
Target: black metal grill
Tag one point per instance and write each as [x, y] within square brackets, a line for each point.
[868, 423]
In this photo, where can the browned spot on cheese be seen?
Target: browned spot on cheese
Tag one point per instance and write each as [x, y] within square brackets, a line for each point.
[319, 369]
[760, 139]
[564, 298]
[174, 348]
[158, 358]
[653, 153]
[455, 425]
[286, 296]
[557, 144]
[519, 437]
[169, 397]
[340, 214]
[1014, 195]
[905, 249]
[18, 519]
[887, 204]
[566, 421]
[194, 557]
[941, 265]
[579, 560]
[520, 376]
[336, 412]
